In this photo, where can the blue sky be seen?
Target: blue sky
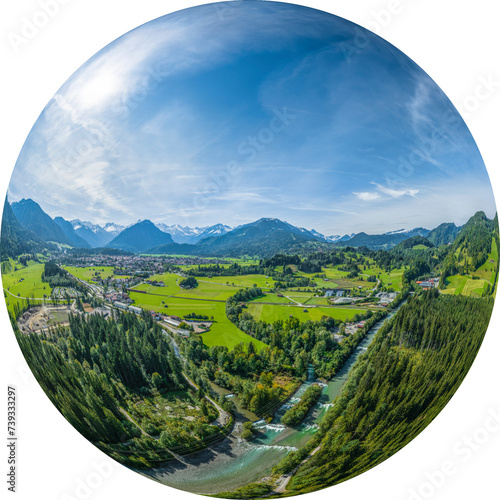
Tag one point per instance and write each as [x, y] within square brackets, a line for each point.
[233, 112]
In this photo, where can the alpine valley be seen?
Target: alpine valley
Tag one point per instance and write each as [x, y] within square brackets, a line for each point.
[265, 359]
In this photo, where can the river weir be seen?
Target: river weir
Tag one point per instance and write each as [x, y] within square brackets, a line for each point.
[234, 462]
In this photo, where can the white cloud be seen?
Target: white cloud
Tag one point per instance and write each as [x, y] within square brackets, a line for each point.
[365, 196]
[397, 193]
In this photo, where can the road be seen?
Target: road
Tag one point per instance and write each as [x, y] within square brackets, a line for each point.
[285, 478]
[223, 417]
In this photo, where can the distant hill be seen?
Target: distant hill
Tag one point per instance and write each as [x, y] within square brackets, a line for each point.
[70, 233]
[412, 242]
[475, 237]
[140, 237]
[443, 234]
[31, 216]
[15, 239]
[383, 241]
[265, 237]
[471, 247]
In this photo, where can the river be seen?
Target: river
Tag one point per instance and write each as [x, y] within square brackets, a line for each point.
[233, 462]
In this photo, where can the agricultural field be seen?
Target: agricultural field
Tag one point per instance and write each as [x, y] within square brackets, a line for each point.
[270, 313]
[335, 279]
[455, 284]
[210, 291]
[222, 332]
[170, 286]
[465, 285]
[209, 299]
[245, 281]
[272, 297]
[475, 288]
[489, 269]
[89, 274]
[24, 282]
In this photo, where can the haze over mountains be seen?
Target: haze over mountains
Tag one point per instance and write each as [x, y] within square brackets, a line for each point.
[266, 236]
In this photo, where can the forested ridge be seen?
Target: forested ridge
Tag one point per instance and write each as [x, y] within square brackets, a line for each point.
[411, 370]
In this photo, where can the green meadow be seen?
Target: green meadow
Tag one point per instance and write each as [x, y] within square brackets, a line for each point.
[270, 313]
[89, 274]
[489, 269]
[24, 282]
[222, 331]
[245, 281]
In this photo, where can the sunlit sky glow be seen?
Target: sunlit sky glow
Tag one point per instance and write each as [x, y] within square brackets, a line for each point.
[233, 112]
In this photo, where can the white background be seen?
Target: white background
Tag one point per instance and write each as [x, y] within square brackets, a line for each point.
[457, 42]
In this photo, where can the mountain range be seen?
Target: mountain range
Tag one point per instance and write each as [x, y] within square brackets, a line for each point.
[185, 234]
[30, 215]
[264, 237]
[16, 239]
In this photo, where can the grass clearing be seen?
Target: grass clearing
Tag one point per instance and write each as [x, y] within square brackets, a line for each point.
[24, 282]
[475, 288]
[455, 284]
[89, 274]
[270, 313]
[222, 332]
[244, 281]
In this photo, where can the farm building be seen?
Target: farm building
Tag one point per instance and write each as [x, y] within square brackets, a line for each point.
[426, 284]
[171, 321]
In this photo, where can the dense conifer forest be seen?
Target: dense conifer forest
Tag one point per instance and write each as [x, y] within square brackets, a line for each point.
[409, 373]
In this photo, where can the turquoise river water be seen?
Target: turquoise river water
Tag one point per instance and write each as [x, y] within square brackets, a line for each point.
[233, 462]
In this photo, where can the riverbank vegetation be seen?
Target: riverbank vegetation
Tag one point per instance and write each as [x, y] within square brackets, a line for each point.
[409, 373]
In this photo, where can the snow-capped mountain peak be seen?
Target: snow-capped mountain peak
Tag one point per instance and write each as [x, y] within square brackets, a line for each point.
[185, 234]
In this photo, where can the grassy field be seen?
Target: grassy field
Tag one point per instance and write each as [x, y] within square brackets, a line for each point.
[89, 274]
[455, 284]
[475, 288]
[336, 279]
[245, 281]
[464, 285]
[25, 282]
[489, 269]
[222, 332]
[272, 297]
[211, 291]
[270, 313]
